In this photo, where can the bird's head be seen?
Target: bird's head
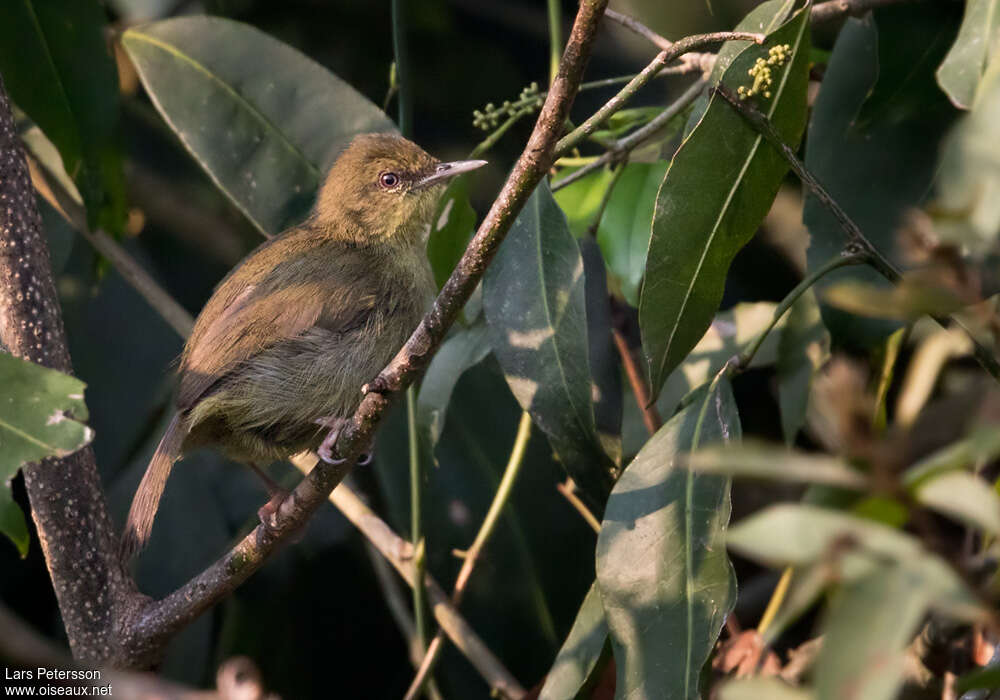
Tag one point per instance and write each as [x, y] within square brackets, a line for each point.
[384, 189]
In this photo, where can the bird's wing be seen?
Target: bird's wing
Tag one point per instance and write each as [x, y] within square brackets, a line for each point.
[253, 315]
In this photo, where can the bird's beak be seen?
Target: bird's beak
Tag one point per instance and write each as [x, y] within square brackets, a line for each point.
[446, 171]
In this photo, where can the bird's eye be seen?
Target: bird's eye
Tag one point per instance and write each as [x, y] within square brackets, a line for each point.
[388, 180]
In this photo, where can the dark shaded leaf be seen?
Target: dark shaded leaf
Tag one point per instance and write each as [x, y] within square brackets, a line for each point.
[533, 298]
[581, 651]
[662, 570]
[12, 522]
[264, 121]
[57, 68]
[605, 367]
[961, 71]
[803, 347]
[717, 190]
[463, 349]
[453, 226]
[880, 113]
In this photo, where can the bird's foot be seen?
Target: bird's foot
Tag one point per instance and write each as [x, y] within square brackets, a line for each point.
[326, 448]
[268, 513]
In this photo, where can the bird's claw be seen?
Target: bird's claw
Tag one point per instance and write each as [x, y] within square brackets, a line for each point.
[366, 458]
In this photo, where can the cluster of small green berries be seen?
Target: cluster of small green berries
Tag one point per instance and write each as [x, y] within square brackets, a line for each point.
[761, 71]
[489, 117]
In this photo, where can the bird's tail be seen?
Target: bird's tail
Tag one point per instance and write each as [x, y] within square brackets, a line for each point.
[147, 497]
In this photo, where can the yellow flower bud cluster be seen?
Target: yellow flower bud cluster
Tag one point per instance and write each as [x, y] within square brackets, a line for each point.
[760, 71]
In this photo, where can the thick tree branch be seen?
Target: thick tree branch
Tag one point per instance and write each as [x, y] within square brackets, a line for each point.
[148, 631]
[66, 497]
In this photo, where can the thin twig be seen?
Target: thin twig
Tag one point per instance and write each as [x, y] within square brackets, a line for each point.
[568, 492]
[855, 237]
[650, 414]
[627, 144]
[835, 9]
[678, 48]
[500, 499]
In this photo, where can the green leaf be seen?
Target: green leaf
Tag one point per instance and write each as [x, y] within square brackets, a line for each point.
[463, 349]
[867, 629]
[627, 222]
[665, 580]
[906, 301]
[965, 211]
[39, 417]
[878, 112]
[717, 190]
[57, 68]
[580, 200]
[12, 522]
[580, 653]
[762, 461]
[803, 348]
[533, 298]
[964, 497]
[962, 69]
[453, 227]
[759, 688]
[800, 535]
[264, 121]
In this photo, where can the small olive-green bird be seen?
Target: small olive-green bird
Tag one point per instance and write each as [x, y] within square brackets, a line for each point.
[279, 354]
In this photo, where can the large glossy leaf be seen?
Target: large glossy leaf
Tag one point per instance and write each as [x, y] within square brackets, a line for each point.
[264, 121]
[962, 69]
[801, 535]
[662, 570]
[867, 629]
[878, 112]
[580, 653]
[580, 200]
[717, 190]
[803, 348]
[533, 298]
[40, 415]
[57, 68]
